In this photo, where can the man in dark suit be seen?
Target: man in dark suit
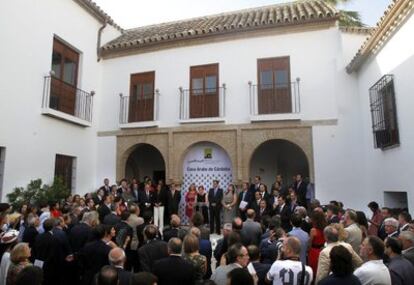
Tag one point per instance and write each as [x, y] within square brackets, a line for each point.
[173, 199]
[300, 189]
[147, 199]
[174, 270]
[117, 259]
[105, 207]
[332, 214]
[173, 229]
[254, 187]
[94, 255]
[260, 268]
[401, 270]
[283, 211]
[153, 250]
[47, 250]
[407, 240]
[246, 197]
[106, 187]
[215, 195]
[82, 233]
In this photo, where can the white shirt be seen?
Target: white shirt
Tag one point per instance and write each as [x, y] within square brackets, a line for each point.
[4, 267]
[288, 272]
[373, 272]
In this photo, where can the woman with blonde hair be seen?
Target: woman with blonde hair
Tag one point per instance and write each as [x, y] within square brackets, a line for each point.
[191, 253]
[341, 231]
[19, 258]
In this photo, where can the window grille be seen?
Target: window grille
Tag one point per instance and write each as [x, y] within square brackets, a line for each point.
[384, 113]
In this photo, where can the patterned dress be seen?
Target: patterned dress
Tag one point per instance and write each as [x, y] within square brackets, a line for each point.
[200, 264]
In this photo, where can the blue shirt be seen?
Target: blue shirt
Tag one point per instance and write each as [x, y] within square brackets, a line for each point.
[304, 238]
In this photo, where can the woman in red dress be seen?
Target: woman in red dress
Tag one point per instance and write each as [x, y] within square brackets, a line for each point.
[316, 239]
[190, 201]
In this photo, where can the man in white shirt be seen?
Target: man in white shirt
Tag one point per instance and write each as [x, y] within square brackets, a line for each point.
[373, 271]
[290, 270]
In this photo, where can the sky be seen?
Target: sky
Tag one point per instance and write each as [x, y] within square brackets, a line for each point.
[134, 13]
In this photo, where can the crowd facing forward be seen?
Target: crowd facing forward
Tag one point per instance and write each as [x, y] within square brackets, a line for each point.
[132, 233]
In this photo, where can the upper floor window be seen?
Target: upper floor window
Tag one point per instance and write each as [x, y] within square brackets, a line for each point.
[141, 99]
[274, 87]
[384, 113]
[204, 91]
[65, 62]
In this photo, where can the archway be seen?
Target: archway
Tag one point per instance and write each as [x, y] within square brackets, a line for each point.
[278, 157]
[145, 160]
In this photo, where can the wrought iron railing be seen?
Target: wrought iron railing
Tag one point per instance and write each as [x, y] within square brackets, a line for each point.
[64, 97]
[203, 103]
[275, 99]
[134, 110]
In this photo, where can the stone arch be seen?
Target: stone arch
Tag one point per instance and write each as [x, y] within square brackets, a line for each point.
[183, 143]
[126, 145]
[252, 139]
[278, 156]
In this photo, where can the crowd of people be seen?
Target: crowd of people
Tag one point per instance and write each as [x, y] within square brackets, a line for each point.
[132, 234]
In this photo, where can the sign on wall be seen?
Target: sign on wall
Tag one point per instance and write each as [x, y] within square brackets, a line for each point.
[203, 163]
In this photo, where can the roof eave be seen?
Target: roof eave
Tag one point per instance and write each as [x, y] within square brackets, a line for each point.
[129, 47]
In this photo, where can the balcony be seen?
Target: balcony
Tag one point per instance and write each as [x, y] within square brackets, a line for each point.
[139, 112]
[202, 105]
[270, 102]
[66, 102]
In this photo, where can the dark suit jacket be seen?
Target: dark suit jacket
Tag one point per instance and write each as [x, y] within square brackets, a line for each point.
[247, 198]
[47, 249]
[170, 233]
[261, 271]
[216, 199]
[409, 255]
[401, 271]
[124, 277]
[111, 219]
[301, 193]
[151, 252]
[29, 236]
[172, 202]
[79, 235]
[260, 215]
[334, 220]
[284, 216]
[173, 270]
[103, 210]
[144, 199]
[92, 258]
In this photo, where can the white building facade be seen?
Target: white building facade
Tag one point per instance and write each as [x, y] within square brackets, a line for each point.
[277, 88]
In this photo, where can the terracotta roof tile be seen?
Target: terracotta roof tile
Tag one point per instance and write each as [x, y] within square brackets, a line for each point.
[273, 16]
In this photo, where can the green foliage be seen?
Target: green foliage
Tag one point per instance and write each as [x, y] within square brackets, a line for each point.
[37, 194]
[347, 18]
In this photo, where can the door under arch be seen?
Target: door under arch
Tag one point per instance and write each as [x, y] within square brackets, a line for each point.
[278, 157]
[145, 160]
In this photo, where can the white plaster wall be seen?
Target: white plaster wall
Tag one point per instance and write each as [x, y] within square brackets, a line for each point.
[312, 58]
[390, 170]
[32, 140]
[338, 155]
[106, 160]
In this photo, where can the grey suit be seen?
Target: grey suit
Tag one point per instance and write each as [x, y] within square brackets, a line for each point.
[251, 233]
[220, 275]
[401, 271]
[409, 254]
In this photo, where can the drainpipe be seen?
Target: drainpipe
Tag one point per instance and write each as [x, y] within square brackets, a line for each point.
[98, 44]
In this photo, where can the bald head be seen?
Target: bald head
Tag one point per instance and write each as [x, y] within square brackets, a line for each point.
[291, 246]
[117, 256]
[251, 214]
